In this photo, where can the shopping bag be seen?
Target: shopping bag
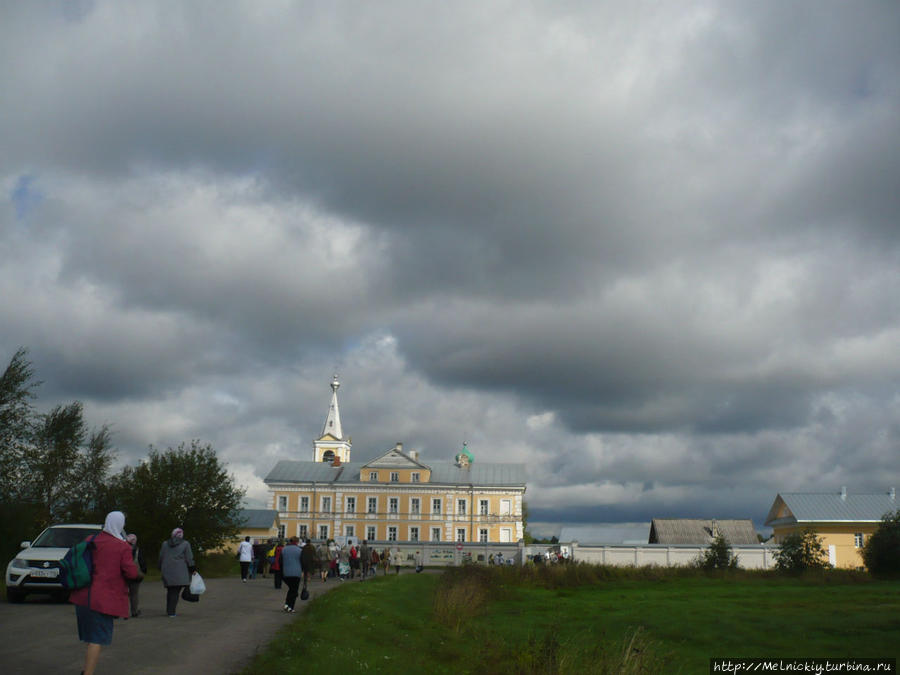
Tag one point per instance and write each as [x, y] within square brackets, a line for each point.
[304, 594]
[188, 596]
[197, 585]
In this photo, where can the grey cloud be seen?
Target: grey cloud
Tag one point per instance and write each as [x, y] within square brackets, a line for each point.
[642, 222]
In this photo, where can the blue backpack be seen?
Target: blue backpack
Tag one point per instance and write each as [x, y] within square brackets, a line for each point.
[78, 565]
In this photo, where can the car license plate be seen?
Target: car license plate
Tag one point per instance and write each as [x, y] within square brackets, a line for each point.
[45, 573]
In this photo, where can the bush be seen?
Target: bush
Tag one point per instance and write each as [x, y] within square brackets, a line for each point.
[801, 551]
[882, 552]
[719, 556]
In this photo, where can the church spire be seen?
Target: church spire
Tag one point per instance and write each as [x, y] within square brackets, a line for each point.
[332, 445]
[333, 420]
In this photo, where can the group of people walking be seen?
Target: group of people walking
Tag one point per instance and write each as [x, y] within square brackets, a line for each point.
[118, 567]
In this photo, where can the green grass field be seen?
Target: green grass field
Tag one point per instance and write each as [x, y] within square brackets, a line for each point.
[511, 621]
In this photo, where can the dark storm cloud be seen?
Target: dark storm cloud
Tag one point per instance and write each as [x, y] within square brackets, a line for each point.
[620, 243]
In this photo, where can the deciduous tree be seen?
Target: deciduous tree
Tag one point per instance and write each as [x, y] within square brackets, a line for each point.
[185, 487]
[882, 551]
[801, 551]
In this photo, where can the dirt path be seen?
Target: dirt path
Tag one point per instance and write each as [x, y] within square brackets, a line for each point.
[220, 634]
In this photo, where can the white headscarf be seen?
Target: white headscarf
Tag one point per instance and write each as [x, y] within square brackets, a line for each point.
[115, 524]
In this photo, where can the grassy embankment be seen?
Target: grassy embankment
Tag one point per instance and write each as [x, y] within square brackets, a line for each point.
[579, 619]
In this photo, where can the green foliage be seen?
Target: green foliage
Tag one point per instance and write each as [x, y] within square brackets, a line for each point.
[801, 551]
[719, 556]
[17, 387]
[187, 487]
[526, 535]
[51, 467]
[882, 551]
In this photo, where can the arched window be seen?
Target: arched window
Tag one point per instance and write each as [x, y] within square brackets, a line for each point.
[328, 456]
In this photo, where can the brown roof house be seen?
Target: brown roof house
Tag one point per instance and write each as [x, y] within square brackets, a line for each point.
[700, 531]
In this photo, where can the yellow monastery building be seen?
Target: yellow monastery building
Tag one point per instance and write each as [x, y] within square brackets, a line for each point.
[843, 521]
[395, 497]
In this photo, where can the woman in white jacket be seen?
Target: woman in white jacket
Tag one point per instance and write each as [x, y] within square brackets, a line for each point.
[245, 557]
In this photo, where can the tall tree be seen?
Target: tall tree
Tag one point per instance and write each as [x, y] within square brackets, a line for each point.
[17, 385]
[186, 487]
[51, 467]
[527, 537]
[87, 495]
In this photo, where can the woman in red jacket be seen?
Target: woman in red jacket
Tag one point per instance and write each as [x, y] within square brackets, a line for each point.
[107, 597]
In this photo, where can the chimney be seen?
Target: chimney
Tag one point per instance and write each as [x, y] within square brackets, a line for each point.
[414, 455]
[844, 492]
[398, 446]
[715, 528]
[336, 461]
[893, 493]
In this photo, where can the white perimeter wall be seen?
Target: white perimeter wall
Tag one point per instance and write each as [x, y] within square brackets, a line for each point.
[752, 557]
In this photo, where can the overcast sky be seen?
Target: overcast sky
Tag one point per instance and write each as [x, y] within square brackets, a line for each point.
[652, 252]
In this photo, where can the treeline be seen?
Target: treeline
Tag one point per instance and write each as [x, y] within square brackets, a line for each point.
[53, 469]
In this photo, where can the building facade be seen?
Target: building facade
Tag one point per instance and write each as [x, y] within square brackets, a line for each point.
[397, 496]
[843, 521]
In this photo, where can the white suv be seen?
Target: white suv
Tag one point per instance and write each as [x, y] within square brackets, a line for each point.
[36, 567]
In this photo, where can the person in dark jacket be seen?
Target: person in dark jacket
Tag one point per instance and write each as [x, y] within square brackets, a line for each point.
[309, 559]
[259, 554]
[134, 585]
[176, 563]
[291, 570]
[365, 559]
[97, 605]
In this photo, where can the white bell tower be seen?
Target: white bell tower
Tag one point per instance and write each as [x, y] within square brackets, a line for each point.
[332, 444]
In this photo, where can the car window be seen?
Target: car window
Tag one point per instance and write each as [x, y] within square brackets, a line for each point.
[62, 537]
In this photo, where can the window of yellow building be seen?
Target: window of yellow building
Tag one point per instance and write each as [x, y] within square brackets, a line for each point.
[483, 507]
[414, 477]
[435, 534]
[436, 506]
[373, 504]
[351, 504]
[414, 506]
[395, 476]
